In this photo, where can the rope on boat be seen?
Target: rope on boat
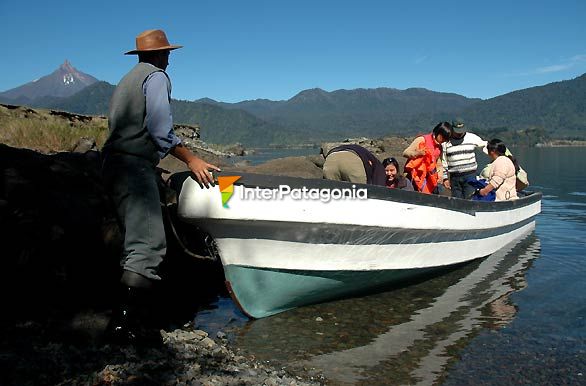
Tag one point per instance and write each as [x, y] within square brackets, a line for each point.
[210, 244]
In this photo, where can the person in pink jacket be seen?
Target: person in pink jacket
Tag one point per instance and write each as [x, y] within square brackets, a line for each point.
[503, 174]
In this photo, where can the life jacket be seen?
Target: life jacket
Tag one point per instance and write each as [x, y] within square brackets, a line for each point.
[423, 169]
[434, 147]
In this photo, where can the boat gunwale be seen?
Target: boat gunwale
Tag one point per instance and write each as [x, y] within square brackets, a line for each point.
[267, 181]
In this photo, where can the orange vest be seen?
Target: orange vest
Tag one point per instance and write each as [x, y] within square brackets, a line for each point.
[423, 169]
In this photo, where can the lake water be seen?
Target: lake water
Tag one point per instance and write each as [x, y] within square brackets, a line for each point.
[515, 317]
[265, 154]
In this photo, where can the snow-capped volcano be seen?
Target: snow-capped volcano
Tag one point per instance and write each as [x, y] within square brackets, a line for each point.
[63, 82]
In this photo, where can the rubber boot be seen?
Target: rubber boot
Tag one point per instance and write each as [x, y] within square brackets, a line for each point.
[131, 319]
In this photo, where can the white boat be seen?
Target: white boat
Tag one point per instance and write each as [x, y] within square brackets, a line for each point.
[283, 245]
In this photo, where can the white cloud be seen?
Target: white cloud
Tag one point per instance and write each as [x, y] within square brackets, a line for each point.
[566, 65]
[421, 59]
[579, 58]
[554, 68]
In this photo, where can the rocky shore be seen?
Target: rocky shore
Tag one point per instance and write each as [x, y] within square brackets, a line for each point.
[60, 249]
[187, 357]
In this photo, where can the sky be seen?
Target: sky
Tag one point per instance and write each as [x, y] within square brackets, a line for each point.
[240, 50]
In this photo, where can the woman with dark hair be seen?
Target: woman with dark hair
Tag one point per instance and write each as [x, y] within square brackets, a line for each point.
[422, 155]
[459, 161]
[503, 173]
[394, 179]
[522, 179]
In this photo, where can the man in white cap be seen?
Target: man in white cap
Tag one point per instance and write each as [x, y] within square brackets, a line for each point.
[141, 133]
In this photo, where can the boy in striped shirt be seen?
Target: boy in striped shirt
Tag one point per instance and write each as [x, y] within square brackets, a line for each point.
[459, 160]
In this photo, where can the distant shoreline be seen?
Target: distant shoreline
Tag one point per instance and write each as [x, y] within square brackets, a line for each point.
[551, 143]
[292, 146]
[562, 143]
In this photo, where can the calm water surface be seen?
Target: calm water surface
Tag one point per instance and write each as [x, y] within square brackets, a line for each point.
[265, 154]
[516, 317]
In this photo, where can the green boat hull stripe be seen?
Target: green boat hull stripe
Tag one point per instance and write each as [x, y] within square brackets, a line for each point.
[264, 292]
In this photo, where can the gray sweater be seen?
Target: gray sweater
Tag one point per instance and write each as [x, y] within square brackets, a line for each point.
[126, 119]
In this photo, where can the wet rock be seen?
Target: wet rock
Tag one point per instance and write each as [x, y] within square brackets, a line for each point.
[85, 144]
[375, 146]
[237, 149]
[208, 343]
[187, 131]
[242, 164]
[270, 382]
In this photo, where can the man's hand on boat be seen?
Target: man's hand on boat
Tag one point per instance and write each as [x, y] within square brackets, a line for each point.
[200, 168]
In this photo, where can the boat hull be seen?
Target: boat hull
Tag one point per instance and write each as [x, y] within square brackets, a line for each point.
[262, 292]
[282, 254]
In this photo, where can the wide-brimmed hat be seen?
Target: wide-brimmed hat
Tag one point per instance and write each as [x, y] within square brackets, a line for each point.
[152, 40]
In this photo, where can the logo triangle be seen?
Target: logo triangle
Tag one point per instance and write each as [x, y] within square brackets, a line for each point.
[226, 182]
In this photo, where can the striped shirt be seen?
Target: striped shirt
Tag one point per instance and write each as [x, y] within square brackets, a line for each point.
[458, 154]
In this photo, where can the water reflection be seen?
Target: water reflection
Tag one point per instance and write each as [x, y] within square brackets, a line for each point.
[565, 210]
[408, 335]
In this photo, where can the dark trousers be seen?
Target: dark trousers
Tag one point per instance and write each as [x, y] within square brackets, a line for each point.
[460, 188]
[132, 184]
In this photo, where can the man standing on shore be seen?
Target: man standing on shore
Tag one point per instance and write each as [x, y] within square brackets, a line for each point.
[141, 133]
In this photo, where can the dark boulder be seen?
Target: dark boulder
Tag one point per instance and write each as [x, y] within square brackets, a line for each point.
[61, 242]
[58, 232]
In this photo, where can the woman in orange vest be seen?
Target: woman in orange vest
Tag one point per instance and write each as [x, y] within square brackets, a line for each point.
[422, 167]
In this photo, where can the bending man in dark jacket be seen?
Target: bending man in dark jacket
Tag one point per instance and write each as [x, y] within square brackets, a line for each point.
[353, 163]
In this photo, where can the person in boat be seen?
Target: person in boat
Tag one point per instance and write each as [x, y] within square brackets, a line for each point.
[423, 153]
[503, 172]
[395, 180]
[459, 160]
[522, 179]
[353, 163]
[141, 134]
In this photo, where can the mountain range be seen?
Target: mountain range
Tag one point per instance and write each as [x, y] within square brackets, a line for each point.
[553, 110]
